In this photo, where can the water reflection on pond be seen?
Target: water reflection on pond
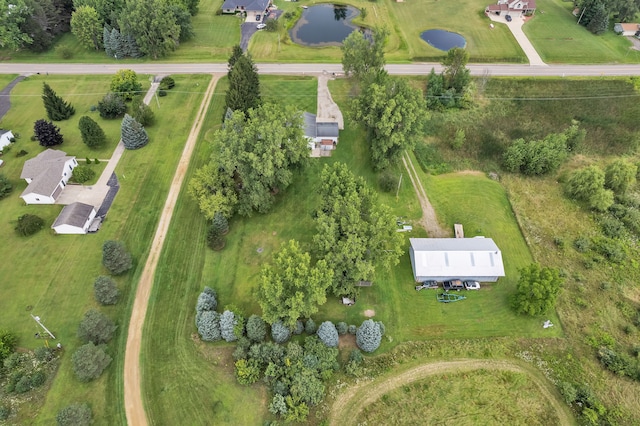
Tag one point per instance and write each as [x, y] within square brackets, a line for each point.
[324, 25]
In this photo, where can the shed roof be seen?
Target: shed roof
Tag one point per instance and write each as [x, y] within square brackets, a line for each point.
[460, 257]
[75, 214]
[628, 27]
[309, 124]
[327, 130]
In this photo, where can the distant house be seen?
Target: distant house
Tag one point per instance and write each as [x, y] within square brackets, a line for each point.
[5, 138]
[250, 7]
[627, 29]
[320, 135]
[444, 259]
[74, 219]
[47, 174]
[512, 7]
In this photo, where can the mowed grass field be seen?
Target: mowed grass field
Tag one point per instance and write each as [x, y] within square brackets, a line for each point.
[559, 39]
[52, 276]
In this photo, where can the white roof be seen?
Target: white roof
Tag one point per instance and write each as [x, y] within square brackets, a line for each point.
[461, 257]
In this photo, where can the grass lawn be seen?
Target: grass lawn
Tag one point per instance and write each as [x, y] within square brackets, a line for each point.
[59, 288]
[558, 39]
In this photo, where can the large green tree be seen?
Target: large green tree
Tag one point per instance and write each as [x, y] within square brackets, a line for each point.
[108, 10]
[92, 134]
[14, 14]
[537, 290]
[452, 88]
[364, 56]
[354, 233]
[291, 287]
[152, 24]
[620, 175]
[56, 107]
[456, 74]
[587, 184]
[393, 113]
[260, 152]
[214, 190]
[87, 27]
[125, 83]
[244, 85]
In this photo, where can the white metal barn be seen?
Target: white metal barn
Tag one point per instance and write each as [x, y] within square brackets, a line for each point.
[443, 259]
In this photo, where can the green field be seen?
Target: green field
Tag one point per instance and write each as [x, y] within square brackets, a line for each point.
[553, 32]
[558, 39]
[52, 276]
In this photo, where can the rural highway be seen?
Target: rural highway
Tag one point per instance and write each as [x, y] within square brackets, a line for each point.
[301, 69]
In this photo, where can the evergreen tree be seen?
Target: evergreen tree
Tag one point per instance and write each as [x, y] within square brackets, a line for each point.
[235, 54]
[107, 42]
[57, 109]
[134, 136]
[118, 44]
[244, 85]
[221, 223]
[92, 134]
[600, 20]
[47, 133]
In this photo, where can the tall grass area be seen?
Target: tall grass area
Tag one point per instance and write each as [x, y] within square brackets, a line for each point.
[558, 38]
[52, 276]
[600, 300]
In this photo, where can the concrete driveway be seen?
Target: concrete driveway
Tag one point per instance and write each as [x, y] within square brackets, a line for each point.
[515, 26]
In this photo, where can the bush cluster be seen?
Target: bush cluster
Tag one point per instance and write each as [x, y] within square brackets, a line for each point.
[29, 224]
[207, 319]
[75, 415]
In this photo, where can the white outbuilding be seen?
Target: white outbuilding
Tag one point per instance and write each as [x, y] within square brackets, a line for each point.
[5, 138]
[444, 259]
[74, 219]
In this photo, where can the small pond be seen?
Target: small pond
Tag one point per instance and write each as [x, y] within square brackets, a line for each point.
[443, 40]
[324, 25]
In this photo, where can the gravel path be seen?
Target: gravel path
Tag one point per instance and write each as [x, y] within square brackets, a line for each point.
[348, 404]
[429, 219]
[134, 407]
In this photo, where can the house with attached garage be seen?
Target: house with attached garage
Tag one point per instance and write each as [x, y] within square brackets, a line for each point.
[47, 174]
[6, 137]
[74, 219]
[445, 259]
[512, 7]
[627, 29]
[321, 136]
[252, 8]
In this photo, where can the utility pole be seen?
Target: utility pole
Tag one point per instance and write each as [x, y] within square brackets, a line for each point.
[581, 15]
[398, 189]
[37, 319]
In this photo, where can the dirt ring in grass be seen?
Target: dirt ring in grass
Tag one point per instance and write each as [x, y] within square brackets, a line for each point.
[369, 313]
[352, 400]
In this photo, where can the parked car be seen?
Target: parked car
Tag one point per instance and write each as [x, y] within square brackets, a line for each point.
[453, 285]
[258, 17]
[261, 26]
[427, 284]
[472, 285]
[508, 18]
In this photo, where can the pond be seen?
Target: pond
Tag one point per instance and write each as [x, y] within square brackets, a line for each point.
[324, 25]
[443, 40]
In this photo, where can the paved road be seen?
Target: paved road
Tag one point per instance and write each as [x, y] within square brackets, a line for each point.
[299, 69]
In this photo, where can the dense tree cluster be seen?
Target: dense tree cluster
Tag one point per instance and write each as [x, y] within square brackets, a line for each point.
[363, 56]
[291, 287]
[255, 156]
[294, 373]
[453, 87]
[353, 231]
[8, 342]
[537, 289]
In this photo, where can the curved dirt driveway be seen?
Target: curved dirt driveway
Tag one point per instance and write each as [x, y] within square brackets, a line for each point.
[133, 402]
[358, 396]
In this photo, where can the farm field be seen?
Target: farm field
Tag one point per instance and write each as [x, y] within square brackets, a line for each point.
[52, 276]
[553, 32]
[201, 374]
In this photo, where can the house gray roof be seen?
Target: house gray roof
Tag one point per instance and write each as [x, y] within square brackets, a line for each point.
[249, 5]
[75, 214]
[2, 132]
[45, 171]
[314, 129]
[461, 257]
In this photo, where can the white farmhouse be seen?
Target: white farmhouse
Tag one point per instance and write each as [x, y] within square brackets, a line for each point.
[444, 259]
[320, 135]
[47, 174]
[74, 219]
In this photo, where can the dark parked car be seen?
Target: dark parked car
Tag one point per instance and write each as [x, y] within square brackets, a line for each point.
[508, 18]
[453, 285]
[258, 17]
